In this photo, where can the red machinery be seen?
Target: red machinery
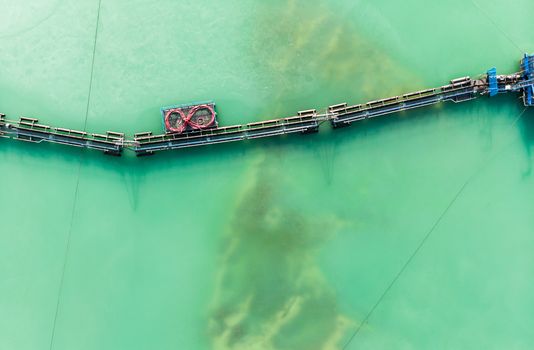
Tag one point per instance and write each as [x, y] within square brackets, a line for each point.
[188, 118]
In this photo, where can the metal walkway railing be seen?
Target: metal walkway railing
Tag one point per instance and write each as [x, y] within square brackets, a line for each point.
[339, 115]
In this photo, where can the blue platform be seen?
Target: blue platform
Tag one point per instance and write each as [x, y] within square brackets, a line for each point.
[493, 86]
[527, 73]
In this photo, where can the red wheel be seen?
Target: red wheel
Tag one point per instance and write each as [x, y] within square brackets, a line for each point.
[201, 117]
[175, 120]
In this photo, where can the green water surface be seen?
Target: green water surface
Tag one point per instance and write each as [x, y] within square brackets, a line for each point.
[414, 231]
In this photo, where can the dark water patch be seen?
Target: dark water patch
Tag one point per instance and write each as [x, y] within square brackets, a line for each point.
[526, 128]
[312, 51]
[269, 291]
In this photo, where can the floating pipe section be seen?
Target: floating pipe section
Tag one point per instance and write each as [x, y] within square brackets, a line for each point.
[305, 122]
[29, 130]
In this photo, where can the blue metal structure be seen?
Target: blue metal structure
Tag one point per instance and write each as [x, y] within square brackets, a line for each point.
[523, 81]
[493, 87]
[527, 73]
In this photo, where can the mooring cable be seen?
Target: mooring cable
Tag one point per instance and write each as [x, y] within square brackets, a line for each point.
[428, 234]
[77, 186]
[497, 26]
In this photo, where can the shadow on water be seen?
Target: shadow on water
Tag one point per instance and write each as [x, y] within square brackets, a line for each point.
[325, 150]
[324, 147]
[269, 290]
[520, 118]
[526, 129]
[312, 58]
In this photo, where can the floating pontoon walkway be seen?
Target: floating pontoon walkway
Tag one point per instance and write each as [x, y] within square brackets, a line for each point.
[29, 130]
[305, 122]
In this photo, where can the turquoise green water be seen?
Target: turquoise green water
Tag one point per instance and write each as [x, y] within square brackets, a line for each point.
[410, 232]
